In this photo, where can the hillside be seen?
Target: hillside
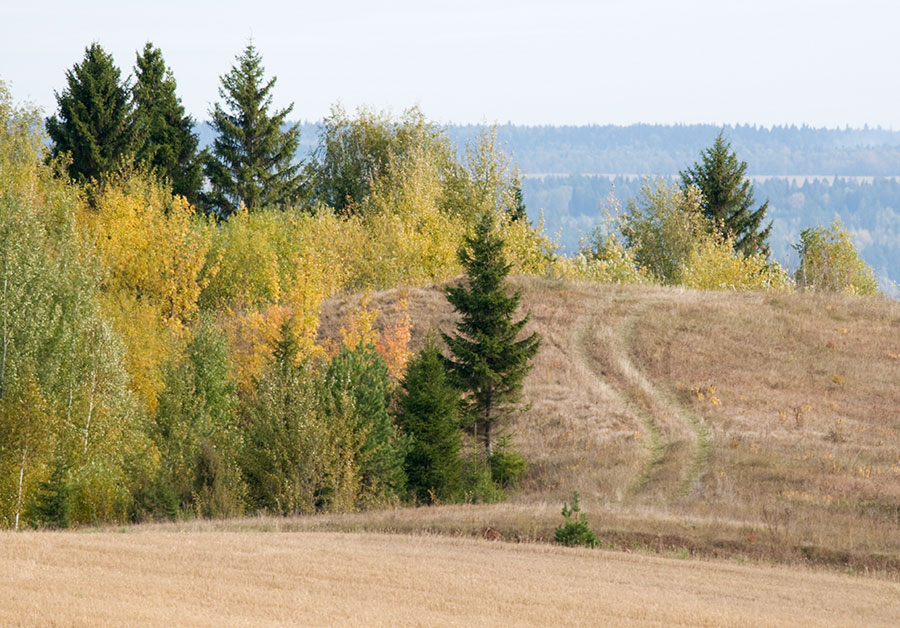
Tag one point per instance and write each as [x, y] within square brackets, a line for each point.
[727, 424]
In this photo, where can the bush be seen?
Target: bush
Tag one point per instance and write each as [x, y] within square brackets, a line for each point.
[829, 262]
[713, 265]
[575, 529]
[478, 484]
[507, 467]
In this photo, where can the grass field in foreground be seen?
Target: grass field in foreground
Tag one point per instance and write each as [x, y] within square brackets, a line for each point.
[155, 578]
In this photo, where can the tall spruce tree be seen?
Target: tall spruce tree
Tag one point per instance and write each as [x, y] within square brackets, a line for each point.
[251, 160]
[428, 414]
[163, 132]
[93, 122]
[728, 197]
[487, 360]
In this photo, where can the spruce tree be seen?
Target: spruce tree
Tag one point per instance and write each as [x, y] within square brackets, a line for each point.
[93, 122]
[164, 133]
[487, 360]
[518, 212]
[428, 414]
[251, 160]
[728, 197]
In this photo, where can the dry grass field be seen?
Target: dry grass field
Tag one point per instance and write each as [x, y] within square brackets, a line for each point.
[168, 578]
[744, 425]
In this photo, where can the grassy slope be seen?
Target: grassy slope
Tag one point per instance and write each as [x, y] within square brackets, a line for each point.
[719, 424]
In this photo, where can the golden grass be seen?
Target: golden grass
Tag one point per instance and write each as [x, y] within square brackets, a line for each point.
[153, 577]
[725, 424]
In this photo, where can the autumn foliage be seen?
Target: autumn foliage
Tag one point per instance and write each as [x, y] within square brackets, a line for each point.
[147, 349]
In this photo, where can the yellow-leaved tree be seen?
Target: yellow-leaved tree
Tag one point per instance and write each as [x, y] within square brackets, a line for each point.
[829, 262]
[154, 248]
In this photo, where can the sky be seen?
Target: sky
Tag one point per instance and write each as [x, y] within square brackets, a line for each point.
[829, 63]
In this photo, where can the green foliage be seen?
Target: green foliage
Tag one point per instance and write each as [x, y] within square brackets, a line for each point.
[53, 503]
[252, 158]
[302, 452]
[478, 484]
[163, 132]
[93, 122]
[728, 198]
[508, 467]
[518, 209]
[428, 409]
[829, 262]
[663, 228]
[359, 385]
[487, 361]
[575, 529]
[353, 154]
[197, 432]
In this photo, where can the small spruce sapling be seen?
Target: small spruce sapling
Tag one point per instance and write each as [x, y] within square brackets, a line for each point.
[575, 529]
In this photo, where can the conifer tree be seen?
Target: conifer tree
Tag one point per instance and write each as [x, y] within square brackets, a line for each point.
[518, 211]
[487, 360]
[251, 160]
[728, 197]
[164, 133]
[428, 415]
[93, 122]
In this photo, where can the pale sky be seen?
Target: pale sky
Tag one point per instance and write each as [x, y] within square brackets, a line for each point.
[821, 62]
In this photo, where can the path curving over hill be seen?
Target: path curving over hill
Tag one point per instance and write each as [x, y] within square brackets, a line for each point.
[678, 443]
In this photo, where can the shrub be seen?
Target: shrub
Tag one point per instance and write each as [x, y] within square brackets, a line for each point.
[713, 265]
[478, 484]
[829, 262]
[507, 466]
[575, 529]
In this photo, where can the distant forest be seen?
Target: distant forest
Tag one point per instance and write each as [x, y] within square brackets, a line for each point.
[809, 176]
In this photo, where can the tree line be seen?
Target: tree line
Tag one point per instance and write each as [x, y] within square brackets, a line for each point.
[162, 358]
[160, 361]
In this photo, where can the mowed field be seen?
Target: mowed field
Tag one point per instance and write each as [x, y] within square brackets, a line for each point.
[170, 578]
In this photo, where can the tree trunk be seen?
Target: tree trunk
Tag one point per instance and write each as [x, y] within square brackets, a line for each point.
[21, 483]
[488, 424]
[5, 332]
[87, 425]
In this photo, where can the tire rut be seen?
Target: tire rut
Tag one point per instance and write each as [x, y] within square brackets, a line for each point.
[679, 444]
